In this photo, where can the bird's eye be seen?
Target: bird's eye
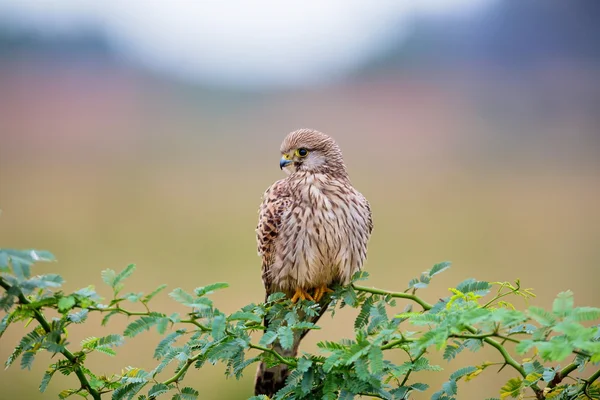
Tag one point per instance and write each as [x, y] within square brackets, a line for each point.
[301, 152]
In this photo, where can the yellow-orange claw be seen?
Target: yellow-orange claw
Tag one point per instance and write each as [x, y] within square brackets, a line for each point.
[301, 294]
[320, 292]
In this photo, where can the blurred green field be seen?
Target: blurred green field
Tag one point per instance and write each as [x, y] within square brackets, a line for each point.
[108, 168]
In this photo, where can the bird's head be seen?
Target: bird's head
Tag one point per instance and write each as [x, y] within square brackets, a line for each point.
[311, 151]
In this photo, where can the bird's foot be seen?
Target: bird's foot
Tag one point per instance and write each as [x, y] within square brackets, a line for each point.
[301, 294]
[320, 292]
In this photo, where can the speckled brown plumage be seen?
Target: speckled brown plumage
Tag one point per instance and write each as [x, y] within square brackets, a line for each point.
[313, 229]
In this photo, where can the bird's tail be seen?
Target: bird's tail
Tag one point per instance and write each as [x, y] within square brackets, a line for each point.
[270, 380]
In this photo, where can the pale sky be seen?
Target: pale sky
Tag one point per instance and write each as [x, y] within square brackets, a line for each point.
[242, 42]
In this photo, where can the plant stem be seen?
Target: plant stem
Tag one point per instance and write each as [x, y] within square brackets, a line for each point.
[485, 335]
[507, 357]
[562, 374]
[175, 378]
[371, 395]
[395, 343]
[273, 352]
[146, 313]
[594, 377]
[407, 375]
[426, 306]
[196, 323]
[85, 384]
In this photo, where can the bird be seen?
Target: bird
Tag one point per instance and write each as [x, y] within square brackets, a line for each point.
[312, 233]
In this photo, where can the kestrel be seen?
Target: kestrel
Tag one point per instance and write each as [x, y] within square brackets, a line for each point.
[312, 232]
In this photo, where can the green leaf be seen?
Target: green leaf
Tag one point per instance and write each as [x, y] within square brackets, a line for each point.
[126, 273]
[43, 282]
[563, 303]
[532, 379]
[156, 291]
[239, 367]
[363, 316]
[88, 293]
[187, 299]
[27, 359]
[244, 316]
[106, 350]
[452, 350]
[303, 364]
[332, 361]
[21, 260]
[107, 317]
[165, 344]
[46, 380]
[557, 349]
[273, 297]
[104, 344]
[286, 337]
[419, 387]
[362, 370]
[378, 315]
[78, 317]
[67, 393]
[108, 276]
[111, 340]
[114, 280]
[542, 316]
[581, 314]
[133, 297]
[127, 391]
[462, 372]
[472, 286]
[135, 375]
[548, 374]
[188, 393]
[512, 388]
[201, 291]
[268, 338]
[144, 323]
[534, 366]
[412, 283]
[162, 325]
[307, 381]
[350, 296]
[6, 303]
[66, 303]
[158, 389]
[219, 325]
[376, 360]
[525, 346]
[450, 388]
[27, 342]
[360, 276]
[438, 268]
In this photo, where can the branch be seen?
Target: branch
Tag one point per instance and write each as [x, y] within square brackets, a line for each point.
[426, 306]
[65, 352]
[175, 378]
[273, 352]
[395, 343]
[147, 313]
[484, 336]
[562, 374]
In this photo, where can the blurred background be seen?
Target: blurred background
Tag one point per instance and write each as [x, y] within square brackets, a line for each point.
[147, 131]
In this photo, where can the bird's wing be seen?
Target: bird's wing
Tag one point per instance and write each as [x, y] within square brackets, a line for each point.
[276, 203]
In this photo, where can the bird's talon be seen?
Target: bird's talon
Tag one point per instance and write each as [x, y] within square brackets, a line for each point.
[301, 294]
[320, 292]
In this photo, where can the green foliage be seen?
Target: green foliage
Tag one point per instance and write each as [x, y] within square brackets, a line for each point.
[471, 317]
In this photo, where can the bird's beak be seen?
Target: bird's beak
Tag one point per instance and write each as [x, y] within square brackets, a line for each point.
[285, 161]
